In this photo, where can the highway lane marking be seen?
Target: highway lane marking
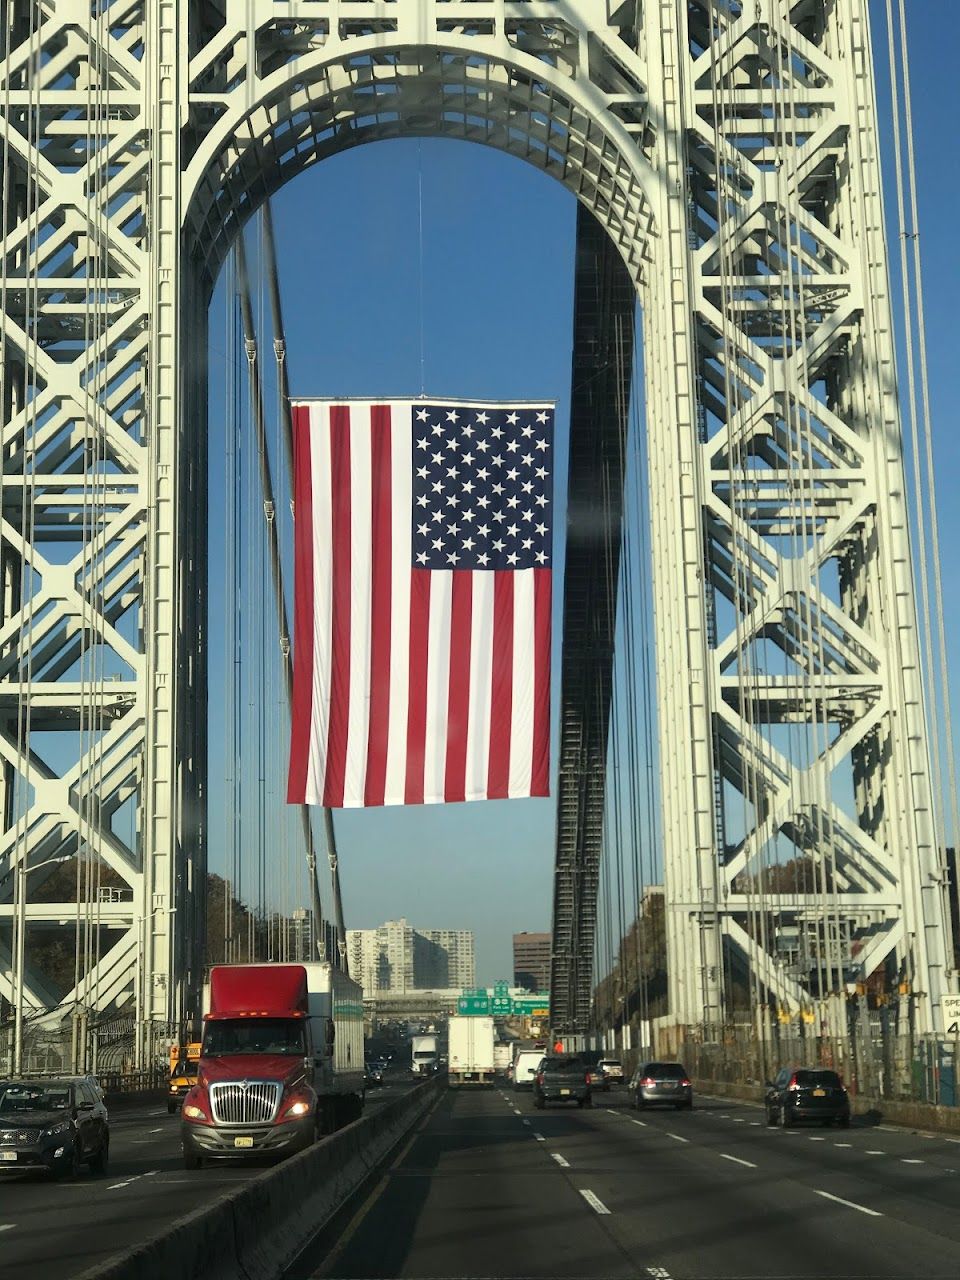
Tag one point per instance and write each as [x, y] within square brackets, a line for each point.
[851, 1204]
[912, 1161]
[539, 1136]
[641, 1123]
[611, 1112]
[156, 1130]
[593, 1201]
[876, 1153]
[149, 1174]
[676, 1137]
[818, 1139]
[659, 1273]
[516, 1111]
[525, 1121]
[843, 1144]
[7, 1226]
[739, 1120]
[564, 1164]
[737, 1160]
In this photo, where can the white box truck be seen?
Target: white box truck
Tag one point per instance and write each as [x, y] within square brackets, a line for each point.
[424, 1053]
[502, 1057]
[470, 1050]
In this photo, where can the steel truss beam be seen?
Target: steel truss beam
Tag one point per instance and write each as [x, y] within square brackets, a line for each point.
[603, 319]
[138, 139]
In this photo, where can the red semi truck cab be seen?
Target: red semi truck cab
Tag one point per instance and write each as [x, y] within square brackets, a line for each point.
[281, 1061]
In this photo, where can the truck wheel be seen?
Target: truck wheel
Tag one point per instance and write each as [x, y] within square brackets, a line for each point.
[191, 1161]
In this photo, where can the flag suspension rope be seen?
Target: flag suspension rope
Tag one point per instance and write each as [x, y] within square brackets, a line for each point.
[276, 565]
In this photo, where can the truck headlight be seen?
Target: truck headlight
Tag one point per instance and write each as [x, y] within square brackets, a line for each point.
[62, 1127]
[194, 1113]
[299, 1109]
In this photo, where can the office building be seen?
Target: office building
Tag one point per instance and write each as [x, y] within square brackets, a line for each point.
[531, 960]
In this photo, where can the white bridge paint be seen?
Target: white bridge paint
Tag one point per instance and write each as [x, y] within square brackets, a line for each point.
[619, 102]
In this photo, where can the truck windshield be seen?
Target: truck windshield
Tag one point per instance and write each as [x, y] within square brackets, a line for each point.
[253, 1035]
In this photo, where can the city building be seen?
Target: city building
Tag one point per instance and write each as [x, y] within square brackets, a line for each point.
[396, 957]
[531, 960]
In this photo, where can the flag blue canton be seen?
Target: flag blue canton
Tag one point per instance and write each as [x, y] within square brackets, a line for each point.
[482, 487]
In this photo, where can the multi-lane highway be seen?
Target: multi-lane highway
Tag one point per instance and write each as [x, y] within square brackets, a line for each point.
[490, 1187]
[55, 1230]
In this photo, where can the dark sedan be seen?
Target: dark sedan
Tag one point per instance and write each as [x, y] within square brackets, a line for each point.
[663, 1084]
[52, 1126]
[807, 1093]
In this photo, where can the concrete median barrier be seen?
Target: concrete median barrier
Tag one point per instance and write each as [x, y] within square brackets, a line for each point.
[256, 1232]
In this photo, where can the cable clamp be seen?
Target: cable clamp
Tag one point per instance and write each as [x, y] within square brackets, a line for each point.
[285, 645]
[270, 511]
[279, 348]
[250, 346]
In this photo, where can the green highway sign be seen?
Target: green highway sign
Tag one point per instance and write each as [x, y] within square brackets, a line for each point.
[501, 1005]
[474, 1005]
[535, 1006]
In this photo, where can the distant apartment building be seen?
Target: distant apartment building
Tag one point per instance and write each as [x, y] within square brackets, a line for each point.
[531, 960]
[397, 957]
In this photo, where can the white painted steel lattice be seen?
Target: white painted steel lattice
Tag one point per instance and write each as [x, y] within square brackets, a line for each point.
[729, 151]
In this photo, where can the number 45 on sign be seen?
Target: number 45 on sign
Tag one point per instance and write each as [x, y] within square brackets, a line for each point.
[950, 1012]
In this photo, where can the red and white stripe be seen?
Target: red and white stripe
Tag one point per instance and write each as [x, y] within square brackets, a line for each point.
[411, 686]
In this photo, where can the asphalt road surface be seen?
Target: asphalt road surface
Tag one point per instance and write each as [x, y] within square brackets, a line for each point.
[489, 1187]
[54, 1230]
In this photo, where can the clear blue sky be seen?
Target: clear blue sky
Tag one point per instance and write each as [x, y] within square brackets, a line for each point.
[496, 298]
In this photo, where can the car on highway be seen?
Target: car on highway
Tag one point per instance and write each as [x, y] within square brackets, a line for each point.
[372, 1075]
[562, 1078]
[612, 1071]
[53, 1126]
[807, 1093]
[661, 1084]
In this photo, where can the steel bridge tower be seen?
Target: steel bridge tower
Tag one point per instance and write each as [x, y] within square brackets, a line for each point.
[728, 151]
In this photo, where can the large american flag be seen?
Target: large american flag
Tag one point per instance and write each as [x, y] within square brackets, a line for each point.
[422, 601]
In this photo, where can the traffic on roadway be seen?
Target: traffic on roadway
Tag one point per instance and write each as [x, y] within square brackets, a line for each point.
[52, 1228]
[489, 1185]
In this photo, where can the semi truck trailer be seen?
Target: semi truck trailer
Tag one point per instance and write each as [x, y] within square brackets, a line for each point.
[470, 1050]
[281, 1061]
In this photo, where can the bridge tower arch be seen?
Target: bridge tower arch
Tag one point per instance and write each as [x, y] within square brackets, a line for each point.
[729, 152]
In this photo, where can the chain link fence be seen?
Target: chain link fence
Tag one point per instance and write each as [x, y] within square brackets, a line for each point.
[874, 1060]
[106, 1050]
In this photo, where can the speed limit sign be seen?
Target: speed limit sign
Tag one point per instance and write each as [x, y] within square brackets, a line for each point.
[950, 1013]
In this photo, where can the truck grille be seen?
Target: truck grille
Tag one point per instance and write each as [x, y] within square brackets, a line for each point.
[248, 1102]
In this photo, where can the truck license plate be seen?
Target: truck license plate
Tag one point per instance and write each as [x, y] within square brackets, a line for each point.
[9, 1156]
[243, 1142]
[564, 1092]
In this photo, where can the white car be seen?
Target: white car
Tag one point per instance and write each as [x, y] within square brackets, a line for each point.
[611, 1069]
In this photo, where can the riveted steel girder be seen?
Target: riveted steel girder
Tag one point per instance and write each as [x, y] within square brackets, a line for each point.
[729, 153]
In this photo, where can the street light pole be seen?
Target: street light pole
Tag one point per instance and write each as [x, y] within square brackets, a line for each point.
[18, 954]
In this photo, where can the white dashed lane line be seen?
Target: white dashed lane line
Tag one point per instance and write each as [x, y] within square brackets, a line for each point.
[641, 1123]
[594, 1201]
[861, 1208]
[912, 1162]
[7, 1226]
[611, 1112]
[539, 1137]
[676, 1137]
[564, 1164]
[876, 1153]
[736, 1160]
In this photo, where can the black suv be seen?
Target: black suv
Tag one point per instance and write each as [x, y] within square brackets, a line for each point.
[807, 1093]
[562, 1078]
[52, 1126]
